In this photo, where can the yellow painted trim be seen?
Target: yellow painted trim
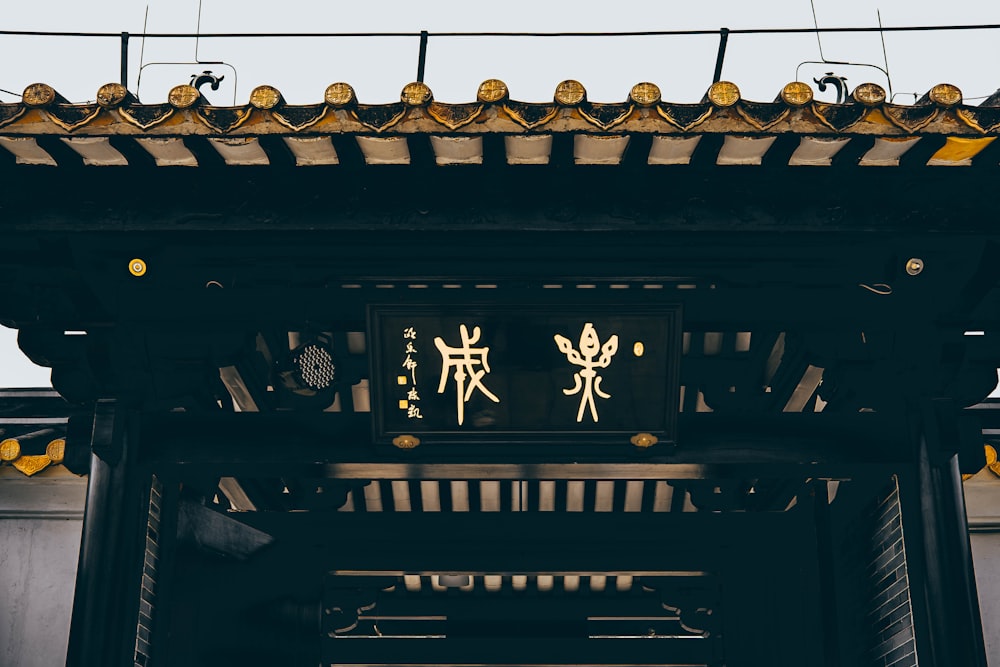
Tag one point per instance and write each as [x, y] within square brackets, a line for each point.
[29, 465]
[617, 120]
[520, 120]
[957, 149]
[281, 120]
[762, 126]
[69, 127]
[126, 115]
[443, 114]
[684, 128]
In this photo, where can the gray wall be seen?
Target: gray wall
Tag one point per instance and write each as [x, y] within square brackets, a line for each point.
[40, 523]
[982, 503]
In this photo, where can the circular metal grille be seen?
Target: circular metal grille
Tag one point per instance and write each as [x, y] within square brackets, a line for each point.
[316, 367]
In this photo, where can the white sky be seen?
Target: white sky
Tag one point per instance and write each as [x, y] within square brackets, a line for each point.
[379, 68]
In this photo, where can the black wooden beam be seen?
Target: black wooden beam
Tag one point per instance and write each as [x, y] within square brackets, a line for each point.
[546, 652]
[541, 606]
[780, 152]
[944, 599]
[248, 308]
[348, 152]
[109, 573]
[849, 156]
[918, 155]
[338, 445]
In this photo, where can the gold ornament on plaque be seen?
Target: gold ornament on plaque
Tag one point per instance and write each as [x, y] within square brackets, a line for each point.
[137, 267]
[570, 93]
[644, 440]
[645, 94]
[869, 94]
[723, 94]
[797, 94]
[492, 91]
[406, 441]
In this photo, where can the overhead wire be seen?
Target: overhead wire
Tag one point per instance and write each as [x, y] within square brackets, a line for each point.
[639, 33]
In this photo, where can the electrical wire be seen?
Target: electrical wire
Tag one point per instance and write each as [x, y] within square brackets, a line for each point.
[642, 33]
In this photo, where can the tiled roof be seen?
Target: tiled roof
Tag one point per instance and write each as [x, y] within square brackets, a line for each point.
[116, 128]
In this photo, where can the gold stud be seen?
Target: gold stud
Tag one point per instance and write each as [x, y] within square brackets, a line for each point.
[38, 95]
[914, 266]
[570, 93]
[111, 95]
[406, 441]
[137, 267]
[492, 91]
[416, 94]
[183, 96]
[10, 449]
[338, 94]
[644, 440]
[723, 94]
[645, 94]
[797, 94]
[869, 94]
[945, 94]
[265, 97]
[56, 450]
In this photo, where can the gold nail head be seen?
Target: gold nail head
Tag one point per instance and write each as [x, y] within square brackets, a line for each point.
[570, 93]
[914, 266]
[638, 349]
[137, 267]
[56, 450]
[645, 94]
[869, 94]
[797, 94]
[405, 441]
[723, 93]
[183, 96]
[945, 94]
[265, 97]
[644, 440]
[38, 95]
[416, 94]
[10, 449]
[338, 94]
[111, 95]
[491, 91]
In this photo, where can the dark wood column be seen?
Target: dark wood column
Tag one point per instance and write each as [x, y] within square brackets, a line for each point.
[109, 573]
[939, 557]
